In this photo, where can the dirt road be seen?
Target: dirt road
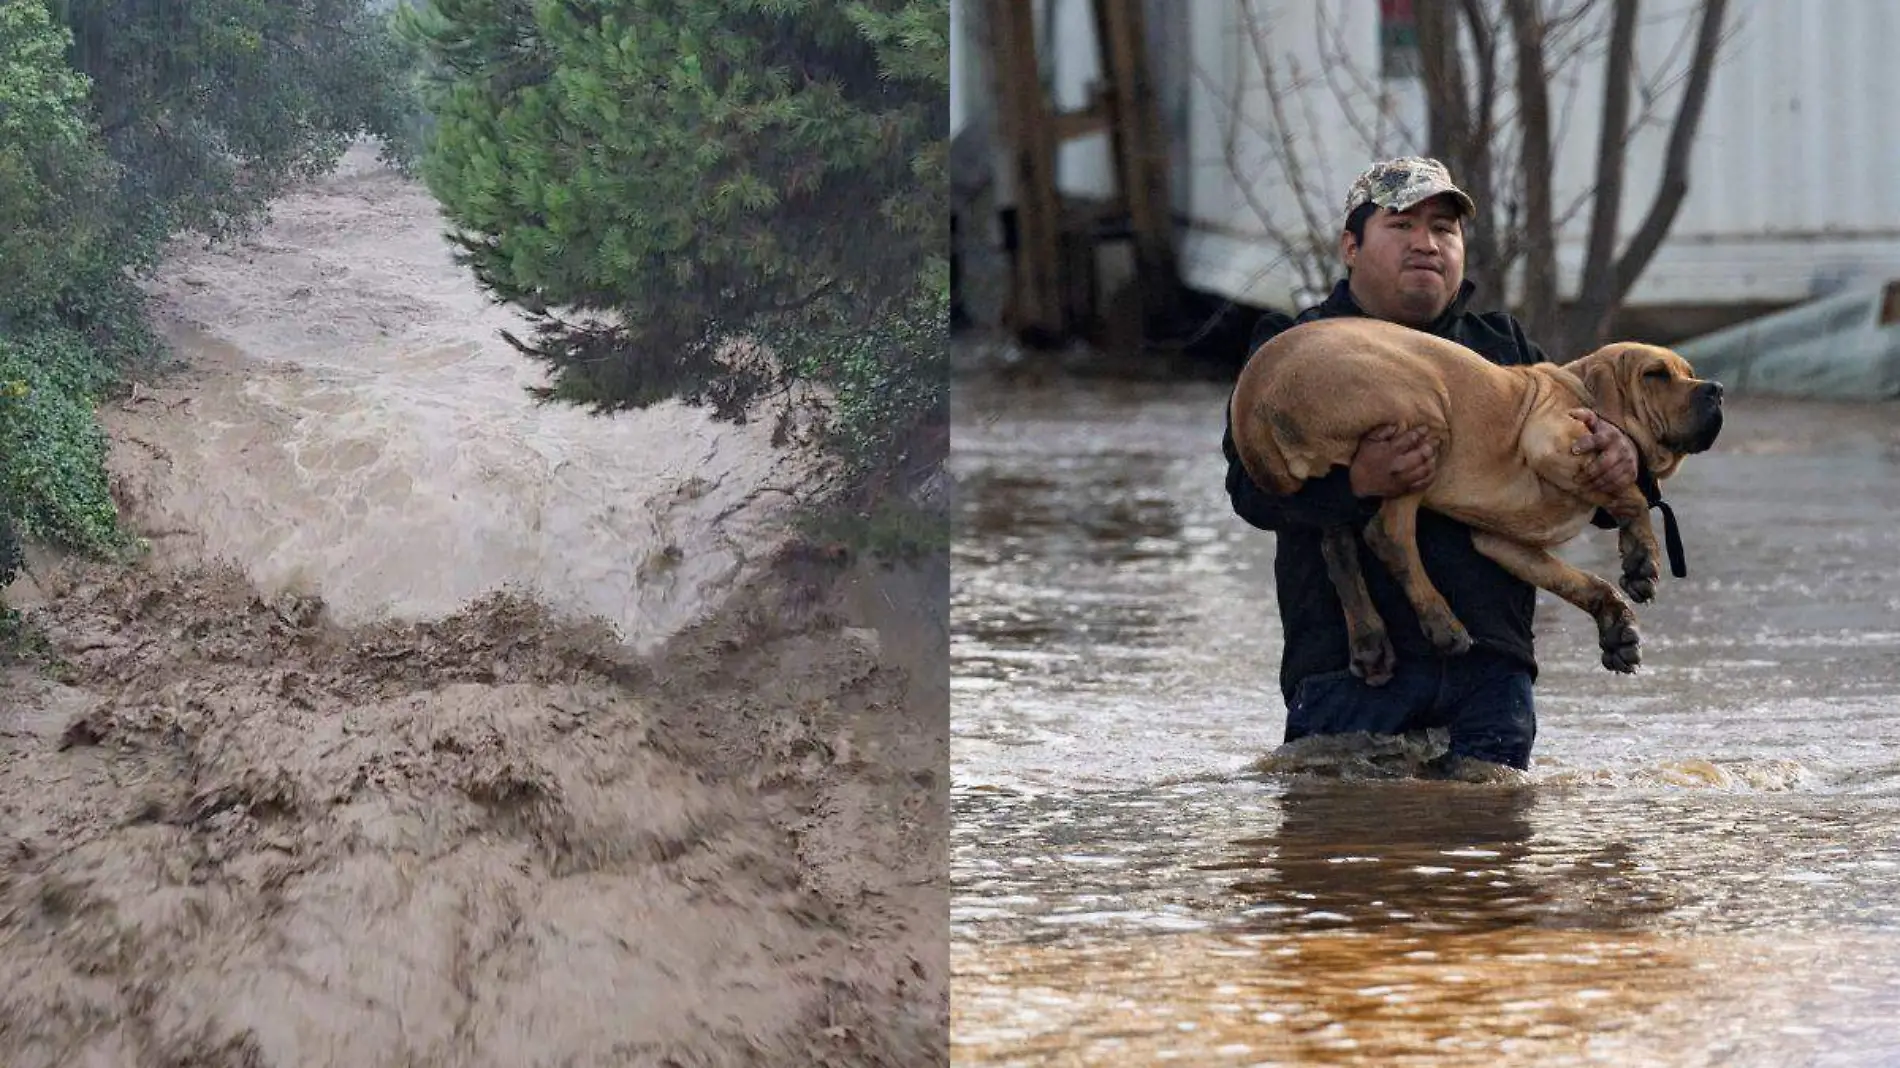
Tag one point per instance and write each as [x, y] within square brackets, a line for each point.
[303, 789]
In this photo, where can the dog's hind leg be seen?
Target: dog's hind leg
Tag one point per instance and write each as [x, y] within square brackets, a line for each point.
[1372, 657]
[1616, 621]
[1393, 536]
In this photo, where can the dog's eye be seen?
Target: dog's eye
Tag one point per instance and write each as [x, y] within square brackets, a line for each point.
[1661, 374]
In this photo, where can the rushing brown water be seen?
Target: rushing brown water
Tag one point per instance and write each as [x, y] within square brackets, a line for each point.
[1701, 868]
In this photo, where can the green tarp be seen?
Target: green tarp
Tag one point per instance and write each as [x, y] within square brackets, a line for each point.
[1841, 347]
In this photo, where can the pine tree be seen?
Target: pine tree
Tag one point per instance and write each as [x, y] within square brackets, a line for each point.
[653, 180]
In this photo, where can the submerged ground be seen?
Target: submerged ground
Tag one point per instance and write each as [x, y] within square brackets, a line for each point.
[1699, 869]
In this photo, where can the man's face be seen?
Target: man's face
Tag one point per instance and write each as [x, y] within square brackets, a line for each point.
[1411, 263]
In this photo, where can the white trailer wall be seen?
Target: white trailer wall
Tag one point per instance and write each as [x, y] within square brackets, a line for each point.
[1794, 181]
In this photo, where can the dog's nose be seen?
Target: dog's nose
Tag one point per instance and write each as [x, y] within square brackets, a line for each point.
[1712, 389]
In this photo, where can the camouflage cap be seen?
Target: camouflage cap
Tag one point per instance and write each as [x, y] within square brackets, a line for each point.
[1399, 184]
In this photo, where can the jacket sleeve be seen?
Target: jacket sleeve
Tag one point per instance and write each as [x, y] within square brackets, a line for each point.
[1321, 502]
[1602, 520]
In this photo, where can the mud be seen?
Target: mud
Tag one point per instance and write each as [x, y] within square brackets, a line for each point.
[399, 748]
[238, 834]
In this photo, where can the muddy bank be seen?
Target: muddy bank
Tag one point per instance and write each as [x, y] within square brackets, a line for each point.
[239, 834]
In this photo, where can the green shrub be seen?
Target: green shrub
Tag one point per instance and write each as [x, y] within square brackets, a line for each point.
[52, 482]
[121, 123]
[56, 232]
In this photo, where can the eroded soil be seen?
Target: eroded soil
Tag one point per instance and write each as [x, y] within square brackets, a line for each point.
[239, 834]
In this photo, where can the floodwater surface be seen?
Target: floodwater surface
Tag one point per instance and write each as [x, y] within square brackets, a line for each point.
[1701, 868]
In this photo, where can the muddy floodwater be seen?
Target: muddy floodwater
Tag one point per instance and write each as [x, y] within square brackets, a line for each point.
[441, 730]
[1701, 868]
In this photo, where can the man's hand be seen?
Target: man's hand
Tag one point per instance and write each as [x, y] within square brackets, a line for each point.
[1391, 464]
[1612, 467]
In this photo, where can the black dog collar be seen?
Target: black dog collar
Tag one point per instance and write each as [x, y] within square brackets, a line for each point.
[1672, 535]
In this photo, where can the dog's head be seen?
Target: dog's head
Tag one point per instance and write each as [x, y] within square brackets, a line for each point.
[1654, 395]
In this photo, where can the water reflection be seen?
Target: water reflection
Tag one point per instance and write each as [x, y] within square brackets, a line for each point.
[1344, 855]
[1130, 518]
[1405, 858]
[1522, 995]
[1393, 922]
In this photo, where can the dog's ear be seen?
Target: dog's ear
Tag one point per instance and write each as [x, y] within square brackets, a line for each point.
[1614, 376]
[1603, 374]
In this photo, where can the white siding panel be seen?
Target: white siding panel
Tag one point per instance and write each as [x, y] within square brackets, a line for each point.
[1793, 186]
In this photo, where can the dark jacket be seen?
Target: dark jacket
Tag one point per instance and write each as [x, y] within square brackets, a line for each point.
[1494, 605]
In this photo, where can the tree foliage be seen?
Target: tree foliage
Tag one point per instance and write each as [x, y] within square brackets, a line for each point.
[53, 176]
[55, 225]
[213, 107]
[123, 122]
[663, 184]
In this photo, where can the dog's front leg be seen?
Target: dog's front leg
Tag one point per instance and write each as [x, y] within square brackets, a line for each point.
[1393, 537]
[1636, 544]
[1616, 621]
[1372, 657]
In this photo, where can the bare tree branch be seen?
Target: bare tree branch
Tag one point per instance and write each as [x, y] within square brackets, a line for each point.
[1540, 238]
[1446, 90]
[1289, 160]
[1336, 63]
[1560, 23]
[1457, 136]
[1675, 177]
[1663, 81]
[1333, 63]
[1484, 47]
[1599, 257]
[1296, 248]
[1608, 276]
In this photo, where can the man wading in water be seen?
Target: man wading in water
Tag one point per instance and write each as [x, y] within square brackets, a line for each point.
[1404, 254]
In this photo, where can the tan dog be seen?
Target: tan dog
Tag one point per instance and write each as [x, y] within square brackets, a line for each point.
[1505, 467]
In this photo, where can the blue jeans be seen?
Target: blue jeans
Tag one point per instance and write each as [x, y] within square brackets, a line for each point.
[1482, 698]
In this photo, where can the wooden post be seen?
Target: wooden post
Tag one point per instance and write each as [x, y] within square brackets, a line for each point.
[1141, 155]
[1035, 301]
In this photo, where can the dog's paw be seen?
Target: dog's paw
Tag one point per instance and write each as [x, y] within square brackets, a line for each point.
[1622, 651]
[1640, 588]
[1446, 634]
[1373, 658]
[1639, 577]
